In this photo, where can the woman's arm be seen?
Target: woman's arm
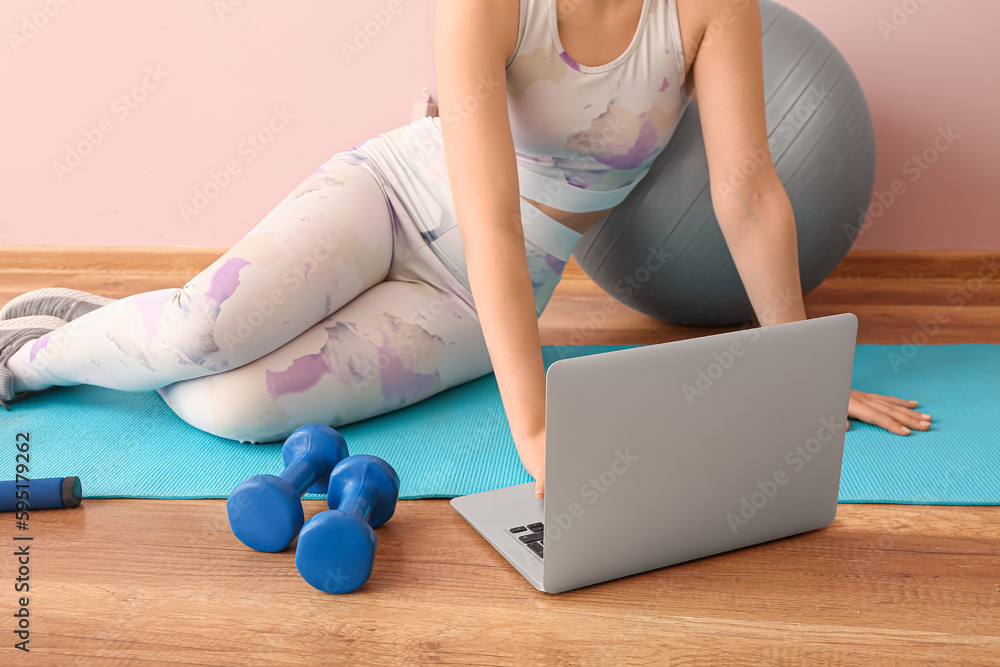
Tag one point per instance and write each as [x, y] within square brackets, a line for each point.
[472, 42]
[753, 210]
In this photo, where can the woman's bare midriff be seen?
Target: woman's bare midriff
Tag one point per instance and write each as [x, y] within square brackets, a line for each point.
[579, 222]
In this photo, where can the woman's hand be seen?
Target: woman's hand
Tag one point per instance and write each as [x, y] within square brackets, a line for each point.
[895, 415]
[531, 449]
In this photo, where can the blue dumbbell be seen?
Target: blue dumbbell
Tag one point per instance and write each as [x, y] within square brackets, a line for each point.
[336, 549]
[265, 512]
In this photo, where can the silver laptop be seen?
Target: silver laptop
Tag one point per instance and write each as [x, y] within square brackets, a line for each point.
[660, 454]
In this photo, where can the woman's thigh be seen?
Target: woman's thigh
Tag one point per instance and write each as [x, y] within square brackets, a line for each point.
[394, 345]
[329, 240]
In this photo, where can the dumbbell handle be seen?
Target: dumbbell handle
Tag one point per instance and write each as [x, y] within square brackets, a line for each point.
[302, 473]
[355, 499]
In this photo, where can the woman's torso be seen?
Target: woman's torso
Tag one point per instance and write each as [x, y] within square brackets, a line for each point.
[546, 103]
[593, 38]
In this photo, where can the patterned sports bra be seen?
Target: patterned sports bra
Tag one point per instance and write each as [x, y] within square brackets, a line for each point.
[584, 136]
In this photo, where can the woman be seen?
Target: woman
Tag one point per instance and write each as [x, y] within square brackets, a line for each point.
[421, 259]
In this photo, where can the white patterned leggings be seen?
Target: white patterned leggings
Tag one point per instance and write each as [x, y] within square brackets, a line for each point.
[333, 309]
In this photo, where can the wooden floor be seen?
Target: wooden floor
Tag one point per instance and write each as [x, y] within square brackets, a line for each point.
[155, 582]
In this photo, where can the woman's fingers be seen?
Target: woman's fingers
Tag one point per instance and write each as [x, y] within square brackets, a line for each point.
[906, 403]
[540, 488]
[914, 420]
[878, 399]
[869, 412]
[896, 415]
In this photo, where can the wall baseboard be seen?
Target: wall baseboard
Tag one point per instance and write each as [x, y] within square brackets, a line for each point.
[887, 264]
[100, 259]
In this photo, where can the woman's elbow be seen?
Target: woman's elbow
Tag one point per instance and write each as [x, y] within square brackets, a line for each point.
[756, 201]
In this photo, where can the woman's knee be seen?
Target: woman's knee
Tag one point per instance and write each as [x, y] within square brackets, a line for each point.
[184, 325]
[167, 326]
[223, 410]
[189, 325]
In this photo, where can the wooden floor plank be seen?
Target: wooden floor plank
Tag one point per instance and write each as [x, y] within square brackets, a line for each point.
[164, 582]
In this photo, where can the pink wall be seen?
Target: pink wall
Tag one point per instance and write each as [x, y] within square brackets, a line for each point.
[940, 69]
[224, 76]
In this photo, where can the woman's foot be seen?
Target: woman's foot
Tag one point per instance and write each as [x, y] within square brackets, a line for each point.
[13, 335]
[66, 304]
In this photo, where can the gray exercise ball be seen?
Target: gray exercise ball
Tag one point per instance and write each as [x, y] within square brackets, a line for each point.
[823, 147]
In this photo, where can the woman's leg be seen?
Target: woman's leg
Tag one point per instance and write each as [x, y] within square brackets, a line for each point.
[328, 241]
[396, 344]
[402, 341]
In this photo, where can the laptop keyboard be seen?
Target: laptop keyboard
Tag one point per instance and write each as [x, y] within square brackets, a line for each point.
[531, 536]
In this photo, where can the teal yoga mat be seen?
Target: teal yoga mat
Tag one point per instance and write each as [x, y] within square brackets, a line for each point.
[130, 445]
